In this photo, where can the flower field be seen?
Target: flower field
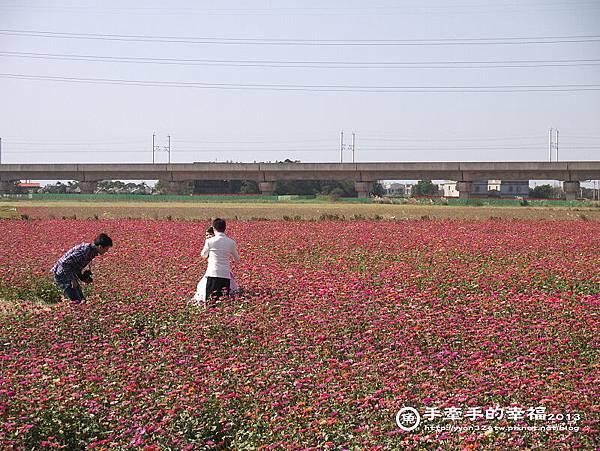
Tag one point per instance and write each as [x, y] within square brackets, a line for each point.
[341, 324]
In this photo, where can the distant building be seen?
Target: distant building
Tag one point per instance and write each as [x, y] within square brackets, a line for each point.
[494, 188]
[514, 188]
[479, 188]
[27, 187]
[486, 188]
[216, 186]
[398, 189]
[449, 189]
[494, 185]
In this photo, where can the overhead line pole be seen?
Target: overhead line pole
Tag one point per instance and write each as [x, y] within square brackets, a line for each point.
[550, 144]
[557, 145]
[169, 148]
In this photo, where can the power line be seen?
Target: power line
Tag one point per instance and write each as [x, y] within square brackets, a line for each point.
[73, 143]
[314, 88]
[175, 150]
[509, 138]
[209, 141]
[308, 64]
[345, 10]
[332, 148]
[256, 140]
[175, 144]
[309, 42]
[541, 146]
[581, 137]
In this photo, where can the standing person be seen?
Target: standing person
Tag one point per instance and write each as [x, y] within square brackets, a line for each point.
[68, 269]
[220, 250]
[199, 298]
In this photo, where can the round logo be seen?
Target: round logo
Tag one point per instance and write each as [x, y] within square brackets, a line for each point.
[408, 419]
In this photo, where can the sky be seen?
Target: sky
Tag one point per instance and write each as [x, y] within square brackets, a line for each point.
[92, 81]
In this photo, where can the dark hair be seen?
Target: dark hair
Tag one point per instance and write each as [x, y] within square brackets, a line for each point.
[219, 225]
[210, 230]
[103, 240]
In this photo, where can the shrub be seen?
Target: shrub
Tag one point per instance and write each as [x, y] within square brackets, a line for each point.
[38, 289]
[46, 291]
[475, 202]
[72, 428]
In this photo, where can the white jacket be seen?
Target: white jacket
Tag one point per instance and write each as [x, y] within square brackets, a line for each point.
[220, 250]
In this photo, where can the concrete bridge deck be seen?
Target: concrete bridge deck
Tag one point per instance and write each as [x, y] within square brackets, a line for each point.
[267, 174]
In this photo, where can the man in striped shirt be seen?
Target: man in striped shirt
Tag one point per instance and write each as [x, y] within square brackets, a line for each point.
[68, 269]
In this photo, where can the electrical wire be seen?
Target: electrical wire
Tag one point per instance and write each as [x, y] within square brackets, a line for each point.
[309, 64]
[308, 42]
[313, 88]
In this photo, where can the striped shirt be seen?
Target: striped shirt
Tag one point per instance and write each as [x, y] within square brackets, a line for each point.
[72, 263]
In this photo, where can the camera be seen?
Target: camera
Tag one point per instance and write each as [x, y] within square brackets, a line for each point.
[86, 276]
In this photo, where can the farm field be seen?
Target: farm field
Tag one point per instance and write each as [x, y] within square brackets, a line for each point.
[340, 325]
[298, 211]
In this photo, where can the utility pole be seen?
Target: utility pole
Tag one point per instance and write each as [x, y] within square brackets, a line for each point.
[553, 143]
[550, 144]
[156, 148]
[169, 148]
[353, 145]
[342, 147]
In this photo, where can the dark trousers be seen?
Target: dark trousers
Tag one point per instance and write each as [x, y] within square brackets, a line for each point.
[216, 287]
[74, 294]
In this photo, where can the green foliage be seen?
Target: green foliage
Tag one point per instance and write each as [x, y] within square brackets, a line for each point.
[541, 192]
[143, 323]
[37, 289]
[119, 187]
[378, 189]
[46, 291]
[313, 187]
[58, 188]
[73, 428]
[425, 188]
[474, 202]
[331, 217]
[210, 425]
[249, 187]
[160, 187]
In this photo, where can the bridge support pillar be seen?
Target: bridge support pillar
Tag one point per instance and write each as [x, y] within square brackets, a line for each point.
[363, 189]
[88, 187]
[571, 190]
[464, 189]
[176, 187]
[7, 186]
[267, 188]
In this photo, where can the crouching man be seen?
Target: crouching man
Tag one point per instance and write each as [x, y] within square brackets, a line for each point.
[68, 269]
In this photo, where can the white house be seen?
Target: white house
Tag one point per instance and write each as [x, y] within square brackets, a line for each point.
[397, 189]
[503, 188]
[449, 189]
